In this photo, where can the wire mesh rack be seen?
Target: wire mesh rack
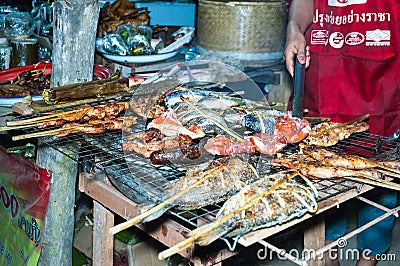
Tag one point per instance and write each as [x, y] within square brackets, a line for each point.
[143, 182]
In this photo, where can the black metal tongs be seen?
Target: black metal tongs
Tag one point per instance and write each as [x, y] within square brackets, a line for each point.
[298, 89]
[380, 142]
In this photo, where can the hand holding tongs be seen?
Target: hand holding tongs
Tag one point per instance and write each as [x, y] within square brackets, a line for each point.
[298, 89]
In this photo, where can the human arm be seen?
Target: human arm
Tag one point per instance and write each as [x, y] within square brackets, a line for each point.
[300, 18]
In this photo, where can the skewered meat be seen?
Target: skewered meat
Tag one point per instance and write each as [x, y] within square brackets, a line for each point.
[93, 127]
[56, 123]
[330, 133]
[75, 127]
[73, 116]
[110, 110]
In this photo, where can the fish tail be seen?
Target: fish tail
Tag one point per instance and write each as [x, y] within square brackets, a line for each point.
[153, 215]
[209, 237]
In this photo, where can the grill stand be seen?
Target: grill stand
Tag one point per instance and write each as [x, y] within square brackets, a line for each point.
[109, 201]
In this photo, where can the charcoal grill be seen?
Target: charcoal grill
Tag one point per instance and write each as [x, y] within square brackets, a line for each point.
[134, 176]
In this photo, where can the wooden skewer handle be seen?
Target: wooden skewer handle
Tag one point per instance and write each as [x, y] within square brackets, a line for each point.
[361, 118]
[175, 249]
[42, 118]
[122, 226]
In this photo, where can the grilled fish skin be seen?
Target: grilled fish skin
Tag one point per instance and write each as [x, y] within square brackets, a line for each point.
[289, 201]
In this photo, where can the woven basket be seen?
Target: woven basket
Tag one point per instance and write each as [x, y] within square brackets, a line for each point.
[244, 27]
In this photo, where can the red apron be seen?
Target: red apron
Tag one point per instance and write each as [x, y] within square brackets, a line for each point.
[355, 62]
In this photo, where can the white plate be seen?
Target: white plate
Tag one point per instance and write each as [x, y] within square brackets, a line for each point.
[9, 101]
[135, 59]
[170, 51]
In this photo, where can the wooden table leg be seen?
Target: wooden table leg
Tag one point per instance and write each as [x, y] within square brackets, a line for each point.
[103, 241]
[314, 239]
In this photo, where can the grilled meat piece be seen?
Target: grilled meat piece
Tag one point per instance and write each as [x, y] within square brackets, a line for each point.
[331, 158]
[221, 145]
[75, 127]
[313, 169]
[175, 155]
[148, 141]
[330, 133]
[293, 129]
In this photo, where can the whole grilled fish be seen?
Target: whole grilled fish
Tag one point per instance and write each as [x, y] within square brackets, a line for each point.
[222, 178]
[282, 204]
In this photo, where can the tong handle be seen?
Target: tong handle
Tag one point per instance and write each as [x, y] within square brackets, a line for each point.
[298, 89]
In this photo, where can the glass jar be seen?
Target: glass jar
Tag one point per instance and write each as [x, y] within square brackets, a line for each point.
[5, 54]
[25, 51]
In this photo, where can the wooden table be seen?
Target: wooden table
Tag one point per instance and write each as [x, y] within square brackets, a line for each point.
[108, 201]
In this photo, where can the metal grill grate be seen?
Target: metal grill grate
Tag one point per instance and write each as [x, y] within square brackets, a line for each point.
[134, 176]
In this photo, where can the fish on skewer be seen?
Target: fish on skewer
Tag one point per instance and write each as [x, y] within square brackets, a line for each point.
[288, 201]
[246, 215]
[315, 170]
[202, 185]
[311, 168]
[224, 177]
[329, 133]
[328, 157]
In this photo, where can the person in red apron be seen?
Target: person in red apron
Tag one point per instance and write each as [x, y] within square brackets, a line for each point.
[351, 50]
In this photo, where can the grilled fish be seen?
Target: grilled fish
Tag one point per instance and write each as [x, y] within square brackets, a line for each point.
[290, 200]
[222, 178]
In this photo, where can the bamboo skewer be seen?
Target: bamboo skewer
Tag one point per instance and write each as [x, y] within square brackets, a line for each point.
[44, 133]
[374, 182]
[44, 118]
[139, 218]
[6, 128]
[208, 228]
[389, 173]
[361, 118]
[55, 116]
